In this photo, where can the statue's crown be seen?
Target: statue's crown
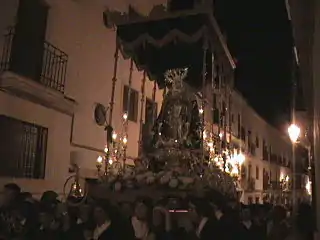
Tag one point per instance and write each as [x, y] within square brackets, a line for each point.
[176, 75]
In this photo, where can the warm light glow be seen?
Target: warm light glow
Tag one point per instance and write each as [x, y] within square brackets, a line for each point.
[308, 187]
[125, 116]
[220, 135]
[106, 149]
[99, 160]
[125, 140]
[114, 136]
[284, 178]
[110, 161]
[201, 111]
[204, 135]
[241, 158]
[294, 132]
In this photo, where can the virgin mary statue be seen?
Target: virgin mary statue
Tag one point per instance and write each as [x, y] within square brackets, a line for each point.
[178, 123]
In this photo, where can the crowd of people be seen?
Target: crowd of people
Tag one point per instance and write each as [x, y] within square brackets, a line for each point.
[209, 217]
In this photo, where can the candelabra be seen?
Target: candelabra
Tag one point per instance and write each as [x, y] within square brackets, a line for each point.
[229, 161]
[115, 151]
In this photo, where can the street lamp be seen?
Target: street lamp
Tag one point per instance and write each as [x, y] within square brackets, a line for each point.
[294, 132]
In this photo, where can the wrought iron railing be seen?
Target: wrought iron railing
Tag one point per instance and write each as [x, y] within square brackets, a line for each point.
[54, 63]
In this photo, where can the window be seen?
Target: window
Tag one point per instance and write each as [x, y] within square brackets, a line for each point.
[28, 42]
[243, 133]
[257, 200]
[257, 172]
[250, 200]
[257, 141]
[132, 101]
[249, 140]
[224, 109]
[216, 116]
[150, 111]
[23, 149]
[249, 170]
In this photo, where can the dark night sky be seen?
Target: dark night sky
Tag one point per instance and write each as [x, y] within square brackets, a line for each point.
[259, 37]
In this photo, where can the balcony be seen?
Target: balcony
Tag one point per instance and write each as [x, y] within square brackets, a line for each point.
[36, 72]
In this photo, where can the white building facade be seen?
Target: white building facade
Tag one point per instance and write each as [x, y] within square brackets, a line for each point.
[268, 155]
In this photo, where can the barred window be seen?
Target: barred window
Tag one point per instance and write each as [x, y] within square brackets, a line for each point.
[22, 149]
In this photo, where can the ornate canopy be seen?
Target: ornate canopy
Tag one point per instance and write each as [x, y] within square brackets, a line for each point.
[166, 40]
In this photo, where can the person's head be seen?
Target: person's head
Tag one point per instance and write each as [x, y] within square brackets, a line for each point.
[278, 214]
[49, 197]
[46, 217]
[233, 204]
[11, 192]
[158, 217]
[27, 197]
[101, 213]
[85, 212]
[126, 209]
[200, 208]
[142, 209]
[245, 214]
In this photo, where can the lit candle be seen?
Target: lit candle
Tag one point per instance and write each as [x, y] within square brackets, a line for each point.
[114, 136]
[106, 149]
[99, 162]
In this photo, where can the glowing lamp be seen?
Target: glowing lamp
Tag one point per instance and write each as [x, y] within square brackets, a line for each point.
[308, 187]
[106, 149]
[294, 132]
[241, 158]
[114, 136]
[99, 163]
[99, 160]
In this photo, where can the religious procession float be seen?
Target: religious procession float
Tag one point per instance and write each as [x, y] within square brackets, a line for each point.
[183, 51]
